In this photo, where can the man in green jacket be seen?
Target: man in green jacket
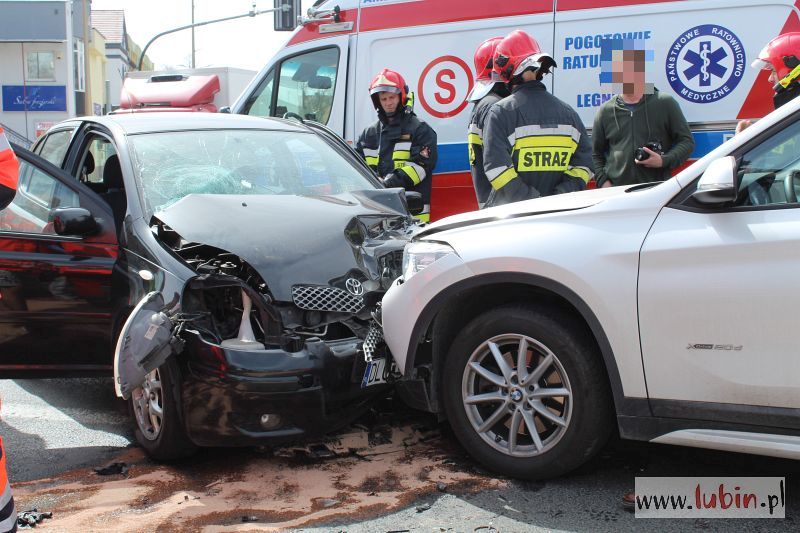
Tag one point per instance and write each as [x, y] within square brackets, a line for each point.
[640, 117]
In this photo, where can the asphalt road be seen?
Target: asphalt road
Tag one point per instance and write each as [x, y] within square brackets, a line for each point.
[53, 426]
[50, 426]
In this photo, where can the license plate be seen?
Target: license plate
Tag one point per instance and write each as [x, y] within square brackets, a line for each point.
[378, 372]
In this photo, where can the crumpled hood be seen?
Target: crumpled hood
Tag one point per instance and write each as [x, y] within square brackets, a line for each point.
[291, 239]
[538, 206]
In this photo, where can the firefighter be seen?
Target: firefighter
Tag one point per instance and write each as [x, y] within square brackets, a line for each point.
[9, 170]
[399, 147]
[534, 144]
[485, 94]
[781, 57]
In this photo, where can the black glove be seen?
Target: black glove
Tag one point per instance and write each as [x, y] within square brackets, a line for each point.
[397, 179]
[515, 190]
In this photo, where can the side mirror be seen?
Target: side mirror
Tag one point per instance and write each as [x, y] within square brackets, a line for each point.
[718, 183]
[74, 221]
[286, 20]
[226, 109]
[414, 202]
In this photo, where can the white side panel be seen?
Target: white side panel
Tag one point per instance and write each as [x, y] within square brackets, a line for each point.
[784, 446]
[592, 251]
[671, 30]
[729, 280]
[437, 64]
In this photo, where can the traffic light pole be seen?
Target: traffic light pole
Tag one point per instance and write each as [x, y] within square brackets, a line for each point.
[252, 13]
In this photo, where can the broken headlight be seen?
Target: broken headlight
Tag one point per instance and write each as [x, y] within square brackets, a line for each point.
[419, 255]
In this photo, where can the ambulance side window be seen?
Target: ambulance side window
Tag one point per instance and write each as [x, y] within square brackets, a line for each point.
[260, 102]
[306, 84]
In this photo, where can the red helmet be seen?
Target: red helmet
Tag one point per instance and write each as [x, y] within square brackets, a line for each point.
[484, 59]
[782, 55]
[517, 52]
[388, 81]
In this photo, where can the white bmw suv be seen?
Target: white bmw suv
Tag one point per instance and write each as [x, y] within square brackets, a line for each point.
[672, 308]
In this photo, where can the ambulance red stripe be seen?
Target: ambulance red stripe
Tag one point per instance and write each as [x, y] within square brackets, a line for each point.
[407, 14]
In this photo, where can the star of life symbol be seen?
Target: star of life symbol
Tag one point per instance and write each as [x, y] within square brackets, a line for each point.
[705, 63]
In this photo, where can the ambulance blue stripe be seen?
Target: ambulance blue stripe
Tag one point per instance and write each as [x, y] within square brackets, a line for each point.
[453, 157]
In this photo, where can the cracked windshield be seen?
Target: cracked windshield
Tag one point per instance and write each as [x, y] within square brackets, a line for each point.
[172, 165]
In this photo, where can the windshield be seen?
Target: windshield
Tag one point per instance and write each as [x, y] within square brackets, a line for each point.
[171, 165]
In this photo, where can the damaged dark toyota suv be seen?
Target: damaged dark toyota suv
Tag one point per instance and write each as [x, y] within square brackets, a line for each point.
[229, 265]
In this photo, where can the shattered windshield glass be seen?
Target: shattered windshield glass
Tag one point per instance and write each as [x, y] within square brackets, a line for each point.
[171, 165]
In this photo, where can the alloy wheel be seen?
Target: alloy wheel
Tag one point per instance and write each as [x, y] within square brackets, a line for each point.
[516, 395]
[148, 405]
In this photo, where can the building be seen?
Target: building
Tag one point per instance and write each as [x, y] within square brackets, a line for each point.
[96, 74]
[122, 54]
[43, 63]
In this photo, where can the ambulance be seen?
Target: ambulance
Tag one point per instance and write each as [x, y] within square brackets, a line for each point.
[702, 51]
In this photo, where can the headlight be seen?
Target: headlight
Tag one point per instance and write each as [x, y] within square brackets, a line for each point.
[419, 255]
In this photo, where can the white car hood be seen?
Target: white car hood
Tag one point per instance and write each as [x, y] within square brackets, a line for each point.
[547, 204]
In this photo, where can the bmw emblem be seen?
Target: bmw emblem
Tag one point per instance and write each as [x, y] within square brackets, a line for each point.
[354, 287]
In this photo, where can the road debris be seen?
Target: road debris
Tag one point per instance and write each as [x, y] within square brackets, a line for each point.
[28, 519]
[366, 470]
[110, 470]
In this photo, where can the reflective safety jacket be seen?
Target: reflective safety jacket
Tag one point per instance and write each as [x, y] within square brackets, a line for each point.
[403, 150]
[475, 141]
[534, 145]
[8, 515]
[9, 172]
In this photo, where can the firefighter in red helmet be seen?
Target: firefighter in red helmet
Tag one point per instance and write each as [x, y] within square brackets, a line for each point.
[781, 57]
[484, 94]
[399, 147]
[534, 144]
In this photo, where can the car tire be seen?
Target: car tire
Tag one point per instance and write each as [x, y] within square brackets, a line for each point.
[483, 400]
[159, 423]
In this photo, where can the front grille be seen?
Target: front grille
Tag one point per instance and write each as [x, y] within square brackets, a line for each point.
[322, 298]
[373, 339]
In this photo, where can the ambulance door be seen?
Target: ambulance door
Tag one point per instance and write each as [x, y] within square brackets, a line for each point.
[306, 81]
[702, 53]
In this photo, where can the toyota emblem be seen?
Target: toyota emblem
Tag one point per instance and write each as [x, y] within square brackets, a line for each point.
[354, 287]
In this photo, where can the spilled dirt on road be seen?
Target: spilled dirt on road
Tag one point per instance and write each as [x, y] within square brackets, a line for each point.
[358, 473]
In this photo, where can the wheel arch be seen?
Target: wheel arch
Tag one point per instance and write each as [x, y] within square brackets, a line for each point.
[452, 308]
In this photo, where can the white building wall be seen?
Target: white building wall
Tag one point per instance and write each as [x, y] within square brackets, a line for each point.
[13, 58]
[116, 69]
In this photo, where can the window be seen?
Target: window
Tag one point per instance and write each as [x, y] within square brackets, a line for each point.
[93, 163]
[41, 66]
[54, 147]
[170, 166]
[769, 174]
[260, 103]
[306, 85]
[79, 72]
[38, 194]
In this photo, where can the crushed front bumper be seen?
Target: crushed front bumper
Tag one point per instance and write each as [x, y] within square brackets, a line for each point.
[242, 398]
